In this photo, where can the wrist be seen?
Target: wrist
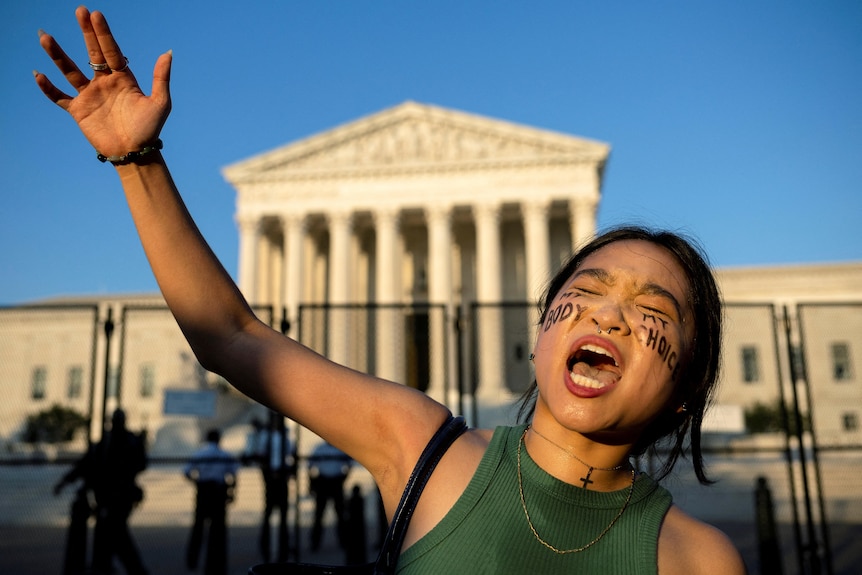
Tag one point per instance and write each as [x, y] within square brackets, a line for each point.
[133, 156]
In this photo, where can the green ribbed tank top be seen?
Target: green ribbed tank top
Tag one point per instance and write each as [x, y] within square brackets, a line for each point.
[486, 531]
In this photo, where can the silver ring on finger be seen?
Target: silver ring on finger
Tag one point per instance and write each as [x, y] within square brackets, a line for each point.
[99, 67]
[124, 68]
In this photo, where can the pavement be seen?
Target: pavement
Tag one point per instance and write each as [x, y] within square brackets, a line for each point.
[33, 521]
[35, 550]
[39, 550]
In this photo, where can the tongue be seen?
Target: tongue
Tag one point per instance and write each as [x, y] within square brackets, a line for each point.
[600, 375]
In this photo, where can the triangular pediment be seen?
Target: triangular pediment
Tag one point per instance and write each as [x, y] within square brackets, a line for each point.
[415, 137]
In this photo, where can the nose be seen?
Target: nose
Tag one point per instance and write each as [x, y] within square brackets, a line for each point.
[610, 318]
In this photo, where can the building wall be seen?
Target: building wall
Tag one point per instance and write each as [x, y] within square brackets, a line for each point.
[58, 340]
[807, 311]
[415, 163]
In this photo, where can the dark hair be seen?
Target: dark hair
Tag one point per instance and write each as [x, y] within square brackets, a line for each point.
[118, 419]
[213, 436]
[697, 381]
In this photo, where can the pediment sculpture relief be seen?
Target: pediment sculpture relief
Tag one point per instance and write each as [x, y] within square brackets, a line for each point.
[418, 142]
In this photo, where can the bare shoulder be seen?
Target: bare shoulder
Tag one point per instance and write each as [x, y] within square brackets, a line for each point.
[687, 545]
[448, 482]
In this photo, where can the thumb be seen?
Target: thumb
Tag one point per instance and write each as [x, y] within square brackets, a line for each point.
[162, 79]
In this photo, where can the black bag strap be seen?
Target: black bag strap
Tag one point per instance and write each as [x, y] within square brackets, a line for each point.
[451, 429]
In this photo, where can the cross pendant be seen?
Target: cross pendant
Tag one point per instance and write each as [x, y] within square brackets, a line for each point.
[587, 479]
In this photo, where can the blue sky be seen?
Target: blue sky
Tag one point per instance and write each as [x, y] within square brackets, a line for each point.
[739, 122]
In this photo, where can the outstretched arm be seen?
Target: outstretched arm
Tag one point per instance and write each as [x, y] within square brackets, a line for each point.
[382, 425]
[116, 118]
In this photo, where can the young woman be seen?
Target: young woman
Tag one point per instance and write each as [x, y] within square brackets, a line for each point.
[623, 357]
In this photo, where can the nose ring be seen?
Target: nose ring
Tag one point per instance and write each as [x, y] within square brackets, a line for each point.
[609, 330]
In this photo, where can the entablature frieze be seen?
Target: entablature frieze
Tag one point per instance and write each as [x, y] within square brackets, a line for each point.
[419, 170]
[563, 184]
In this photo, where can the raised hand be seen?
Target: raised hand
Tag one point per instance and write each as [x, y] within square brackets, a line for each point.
[111, 110]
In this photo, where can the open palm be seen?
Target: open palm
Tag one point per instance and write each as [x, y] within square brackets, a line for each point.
[110, 109]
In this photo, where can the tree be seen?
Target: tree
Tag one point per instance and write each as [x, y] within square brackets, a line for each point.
[53, 425]
[763, 418]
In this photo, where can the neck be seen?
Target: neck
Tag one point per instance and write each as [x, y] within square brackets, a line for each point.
[600, 468]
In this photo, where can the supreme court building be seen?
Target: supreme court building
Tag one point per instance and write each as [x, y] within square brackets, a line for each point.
[416, 205]
[414, 244]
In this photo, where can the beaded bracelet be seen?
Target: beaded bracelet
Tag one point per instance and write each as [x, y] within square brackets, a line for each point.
[131, 156]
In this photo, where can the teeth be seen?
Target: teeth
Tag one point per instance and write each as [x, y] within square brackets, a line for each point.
[584, 381]
[598, 350]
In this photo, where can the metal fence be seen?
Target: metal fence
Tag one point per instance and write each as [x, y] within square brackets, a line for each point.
[796, 361]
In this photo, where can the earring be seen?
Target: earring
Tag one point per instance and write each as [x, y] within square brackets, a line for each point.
[532, 356]
[683, 408]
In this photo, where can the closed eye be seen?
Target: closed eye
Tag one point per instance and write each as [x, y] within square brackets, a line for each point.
[657, 295]
[653, 310]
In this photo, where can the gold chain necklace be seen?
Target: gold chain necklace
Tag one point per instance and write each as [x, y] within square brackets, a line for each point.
[586, 480]
[533, 528]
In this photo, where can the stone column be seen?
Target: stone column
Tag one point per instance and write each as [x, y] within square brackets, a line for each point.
[582, 218]
[489, 291]
[386, 223]
[249, 238]
[390, 352]
[340, 228]
[439, 220]
[538, 252]
[265, 279]
[294, 226]
[537, 247]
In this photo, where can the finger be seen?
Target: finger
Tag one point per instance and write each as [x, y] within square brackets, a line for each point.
[94, 50]
[107, 44]
[65, 64]
[162, 80]
[51, 91]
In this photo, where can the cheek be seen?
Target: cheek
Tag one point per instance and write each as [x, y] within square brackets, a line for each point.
[662, 346]
[562, 312]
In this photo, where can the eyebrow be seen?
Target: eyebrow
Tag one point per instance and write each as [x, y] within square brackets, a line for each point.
[598, 273]
[608, 278]
[657, 290]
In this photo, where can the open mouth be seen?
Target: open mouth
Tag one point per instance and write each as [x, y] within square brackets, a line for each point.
[593, 367]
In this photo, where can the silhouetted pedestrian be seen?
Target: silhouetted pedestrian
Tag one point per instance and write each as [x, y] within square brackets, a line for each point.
[271, 448]
[767, 532]
[356, 529]
[328, 467]
[214, 472]
[75, 556]
[109, 471]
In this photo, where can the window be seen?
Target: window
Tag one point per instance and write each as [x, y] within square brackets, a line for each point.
[39, 382]
[147, 380]
[113, 382]
[798, 361]
[75, 382]
[750, 364]
[850, 421]
[841, 365]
